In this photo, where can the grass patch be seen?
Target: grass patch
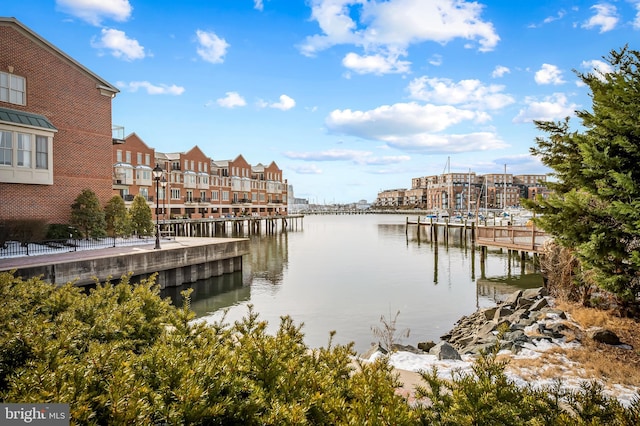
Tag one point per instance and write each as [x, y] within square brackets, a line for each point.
[592, 360]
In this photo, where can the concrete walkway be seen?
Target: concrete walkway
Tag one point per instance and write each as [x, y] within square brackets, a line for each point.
[9, 263]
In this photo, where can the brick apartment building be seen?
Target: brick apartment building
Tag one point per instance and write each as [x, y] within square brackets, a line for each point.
[196, 186]
[464, 191]
[55, 116]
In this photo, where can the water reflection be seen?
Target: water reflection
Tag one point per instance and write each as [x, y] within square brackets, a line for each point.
[342, 272]
[212, 294]
[268, 257]
[499, 288]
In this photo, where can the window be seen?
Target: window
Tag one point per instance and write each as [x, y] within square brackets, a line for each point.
[26, 157]
[12, 89]
[6, 149]
[147, 159]
[119, 156]
[24, 150]
[128, 157]
[225, 195]
[139, 158]
[42, 152]
[175, 194]
[186, 165]
[214, 195]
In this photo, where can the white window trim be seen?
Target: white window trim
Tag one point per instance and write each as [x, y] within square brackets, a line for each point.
[28, 175]
[11, 90]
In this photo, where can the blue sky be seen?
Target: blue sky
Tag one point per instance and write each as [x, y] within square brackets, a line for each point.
[348, 97]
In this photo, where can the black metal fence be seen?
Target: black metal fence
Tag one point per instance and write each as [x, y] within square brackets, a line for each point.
[14, 248]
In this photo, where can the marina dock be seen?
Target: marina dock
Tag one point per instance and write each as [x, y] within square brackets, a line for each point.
[526, 239]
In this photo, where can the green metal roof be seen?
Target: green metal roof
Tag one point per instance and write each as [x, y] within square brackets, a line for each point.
[25, 118]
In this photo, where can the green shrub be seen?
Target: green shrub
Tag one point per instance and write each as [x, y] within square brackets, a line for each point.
[24, 230]
[61, 231]
[122, 355]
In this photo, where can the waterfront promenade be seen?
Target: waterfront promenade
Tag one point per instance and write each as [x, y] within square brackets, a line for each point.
[178, 261]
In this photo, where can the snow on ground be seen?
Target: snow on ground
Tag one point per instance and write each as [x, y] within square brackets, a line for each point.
[445, 368]
[15, 249]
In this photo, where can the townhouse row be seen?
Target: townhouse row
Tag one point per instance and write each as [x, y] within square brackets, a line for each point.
[465, 192]
[192, 185]
[56, 139]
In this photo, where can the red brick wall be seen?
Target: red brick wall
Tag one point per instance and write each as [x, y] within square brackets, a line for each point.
[82, 147]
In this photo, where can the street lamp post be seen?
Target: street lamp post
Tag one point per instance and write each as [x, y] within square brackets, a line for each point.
[157, 174]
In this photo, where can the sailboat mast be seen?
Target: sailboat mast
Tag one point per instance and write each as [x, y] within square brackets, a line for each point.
[504, 200]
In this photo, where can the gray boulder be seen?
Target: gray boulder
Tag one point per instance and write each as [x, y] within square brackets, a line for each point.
[443, 350]
[602, 335]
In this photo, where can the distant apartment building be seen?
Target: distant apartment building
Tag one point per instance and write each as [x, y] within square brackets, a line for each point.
[196, 186]
[55, 128]
[391, 198]
[464, 191]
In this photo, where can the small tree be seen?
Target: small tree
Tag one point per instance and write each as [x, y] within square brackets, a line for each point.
[117, 217]
[87, 215]
[140, 214]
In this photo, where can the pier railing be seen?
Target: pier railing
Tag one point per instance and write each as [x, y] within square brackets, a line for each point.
[526, 238]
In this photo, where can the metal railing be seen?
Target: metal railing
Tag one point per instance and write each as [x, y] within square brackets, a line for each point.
[15, 248]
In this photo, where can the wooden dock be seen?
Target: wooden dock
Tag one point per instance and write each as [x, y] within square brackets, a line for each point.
[516, 238]
[519, 238]
[213, 227]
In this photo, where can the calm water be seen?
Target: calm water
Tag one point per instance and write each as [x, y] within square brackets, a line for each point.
[343, 272]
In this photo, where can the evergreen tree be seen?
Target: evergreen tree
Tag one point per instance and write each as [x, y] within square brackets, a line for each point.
[87, 215]
[141, 218]
[596, 206]
[117, 217]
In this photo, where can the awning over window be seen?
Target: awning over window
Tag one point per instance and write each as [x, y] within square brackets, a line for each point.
[13, 116]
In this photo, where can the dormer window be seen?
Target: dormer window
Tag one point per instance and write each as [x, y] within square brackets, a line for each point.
[13, 89]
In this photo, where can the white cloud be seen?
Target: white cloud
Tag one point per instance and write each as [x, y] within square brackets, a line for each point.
[598, 67]
[549, 74]
[636, 21]
[500, 71]
[468, 93]
[329, 155]
[94, 11]
[375, 64]
[211, 47]
[550, 19]
[307, 169]
[257, 4]
[354, 156]
[393, 25]
[285, 103]
[398, 119]
[605, 18]
[152, 89]
[232, 100]
[436, 60]
[452, 143]
[554, 107]
[119, 44]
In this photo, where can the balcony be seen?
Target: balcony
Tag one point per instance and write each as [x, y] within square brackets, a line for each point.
[203, 200]
[242, 201]
[130, 197]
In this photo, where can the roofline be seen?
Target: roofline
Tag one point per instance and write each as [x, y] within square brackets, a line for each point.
[103, 84]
